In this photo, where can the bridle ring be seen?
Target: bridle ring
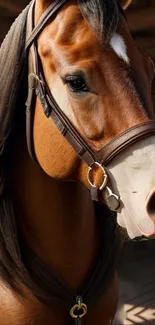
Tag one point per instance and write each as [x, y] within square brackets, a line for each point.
[105, 179]
[78, 307]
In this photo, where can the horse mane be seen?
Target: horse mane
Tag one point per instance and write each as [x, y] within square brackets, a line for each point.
[103, 16]
[12, 118]
[13, 90]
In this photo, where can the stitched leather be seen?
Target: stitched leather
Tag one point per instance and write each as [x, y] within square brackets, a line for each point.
[52, 110]
[124, 140]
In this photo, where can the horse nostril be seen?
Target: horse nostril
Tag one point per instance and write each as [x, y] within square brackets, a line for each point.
[150, 205]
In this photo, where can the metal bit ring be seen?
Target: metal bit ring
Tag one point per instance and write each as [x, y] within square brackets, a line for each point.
[78, 307]
[105, 179]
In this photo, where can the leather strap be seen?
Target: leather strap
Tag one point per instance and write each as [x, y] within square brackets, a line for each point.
[51, 289]
[109, 151]
[31, 100]
[38, 87]
[52, 110]
[44, 20]
[125, 139]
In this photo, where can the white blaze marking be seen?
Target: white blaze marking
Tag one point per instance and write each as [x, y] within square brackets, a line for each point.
[118, 45]
[133, 185]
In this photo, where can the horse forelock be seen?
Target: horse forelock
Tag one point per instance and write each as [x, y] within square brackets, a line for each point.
[102, 16]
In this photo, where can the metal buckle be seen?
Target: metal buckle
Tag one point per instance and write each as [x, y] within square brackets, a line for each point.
[79, 306]
[105, 179]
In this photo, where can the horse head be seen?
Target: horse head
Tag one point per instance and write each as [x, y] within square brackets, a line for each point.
[101, 80]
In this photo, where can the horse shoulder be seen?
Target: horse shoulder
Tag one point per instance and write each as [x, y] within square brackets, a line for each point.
[26, 310]
[15, 309]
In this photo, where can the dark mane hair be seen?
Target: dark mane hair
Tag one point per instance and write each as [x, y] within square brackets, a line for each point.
[103, 16]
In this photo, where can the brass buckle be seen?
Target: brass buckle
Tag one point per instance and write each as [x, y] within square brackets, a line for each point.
[105, 176]
[79, 306]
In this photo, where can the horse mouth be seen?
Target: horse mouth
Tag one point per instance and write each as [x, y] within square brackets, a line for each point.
[147, 234]
[150, 205]
[136, 229]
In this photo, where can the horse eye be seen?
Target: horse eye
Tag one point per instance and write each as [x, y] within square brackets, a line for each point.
[77, 84]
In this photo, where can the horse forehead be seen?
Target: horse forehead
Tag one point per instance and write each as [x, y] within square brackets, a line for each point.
[69, 38]
[68, 20]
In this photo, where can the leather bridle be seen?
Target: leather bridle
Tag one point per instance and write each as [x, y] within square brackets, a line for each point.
[39, 88]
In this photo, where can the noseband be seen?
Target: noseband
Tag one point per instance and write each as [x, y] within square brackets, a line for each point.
[39, 88]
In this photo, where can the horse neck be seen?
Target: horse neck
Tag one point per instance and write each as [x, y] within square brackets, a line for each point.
[56, 219]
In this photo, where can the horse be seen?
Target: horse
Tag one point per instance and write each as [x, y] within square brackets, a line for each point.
[89, 129]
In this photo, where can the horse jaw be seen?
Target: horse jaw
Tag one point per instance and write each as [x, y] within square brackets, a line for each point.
[133, 177]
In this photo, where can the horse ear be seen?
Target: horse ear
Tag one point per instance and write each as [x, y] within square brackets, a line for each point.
[125, 3]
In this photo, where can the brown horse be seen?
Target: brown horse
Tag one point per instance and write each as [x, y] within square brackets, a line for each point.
[101, 81]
